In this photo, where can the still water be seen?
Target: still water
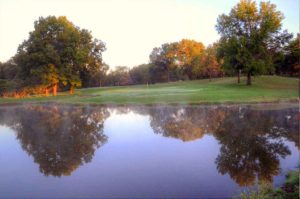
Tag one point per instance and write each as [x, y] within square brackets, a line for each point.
[61, 151]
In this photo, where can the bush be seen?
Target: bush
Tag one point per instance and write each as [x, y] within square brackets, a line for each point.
[289, 190]
[21, 92]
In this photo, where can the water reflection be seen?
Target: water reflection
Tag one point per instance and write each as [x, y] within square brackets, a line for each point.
[251, 144]
[252, 141]
[186, 124]
[59, 139]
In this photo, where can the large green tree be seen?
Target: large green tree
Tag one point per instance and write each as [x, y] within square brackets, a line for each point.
[58, 53]
[247, 37]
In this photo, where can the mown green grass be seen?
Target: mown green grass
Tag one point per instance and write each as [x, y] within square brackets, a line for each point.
[221, 90]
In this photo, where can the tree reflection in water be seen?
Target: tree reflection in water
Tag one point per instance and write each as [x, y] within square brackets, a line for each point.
[252, 141]
[59, 139]
[251, 146]
[186, 124]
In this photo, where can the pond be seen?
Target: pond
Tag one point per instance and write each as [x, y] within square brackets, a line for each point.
[64, 151]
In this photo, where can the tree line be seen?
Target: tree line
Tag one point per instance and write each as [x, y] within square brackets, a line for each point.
[183, 60]
[60, 55]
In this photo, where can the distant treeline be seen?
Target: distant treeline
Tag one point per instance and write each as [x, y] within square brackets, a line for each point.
[61, 56]
[184, 60]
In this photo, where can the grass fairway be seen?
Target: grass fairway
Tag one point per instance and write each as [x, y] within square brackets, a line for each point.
[221, 90]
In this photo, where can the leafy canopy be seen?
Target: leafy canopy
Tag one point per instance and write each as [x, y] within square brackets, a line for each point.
[58, 52]
[248, 34]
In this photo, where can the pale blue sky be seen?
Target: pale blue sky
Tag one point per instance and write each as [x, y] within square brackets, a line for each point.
[130, 28]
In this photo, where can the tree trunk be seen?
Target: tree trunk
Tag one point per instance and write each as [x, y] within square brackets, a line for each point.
[46, 92]
[54, 89]
[249, 82]
[71, 91]
[239, 79]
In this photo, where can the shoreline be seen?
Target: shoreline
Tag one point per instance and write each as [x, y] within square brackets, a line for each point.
[290, 103]
[265, 89]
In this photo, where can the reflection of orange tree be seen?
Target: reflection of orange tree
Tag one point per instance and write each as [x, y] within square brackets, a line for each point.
[60, 138]
[187, 124]
[251, 145]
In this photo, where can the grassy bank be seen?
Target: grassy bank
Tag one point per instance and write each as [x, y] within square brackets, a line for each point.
[289, 189]
[221, 90]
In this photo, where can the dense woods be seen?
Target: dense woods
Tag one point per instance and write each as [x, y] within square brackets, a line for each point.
[61, 56]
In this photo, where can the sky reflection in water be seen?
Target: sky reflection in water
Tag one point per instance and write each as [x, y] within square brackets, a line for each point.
[158, 151]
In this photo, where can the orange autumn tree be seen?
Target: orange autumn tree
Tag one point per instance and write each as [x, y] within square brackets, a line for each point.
[186, 59]
[183, 54]
[207, 64]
